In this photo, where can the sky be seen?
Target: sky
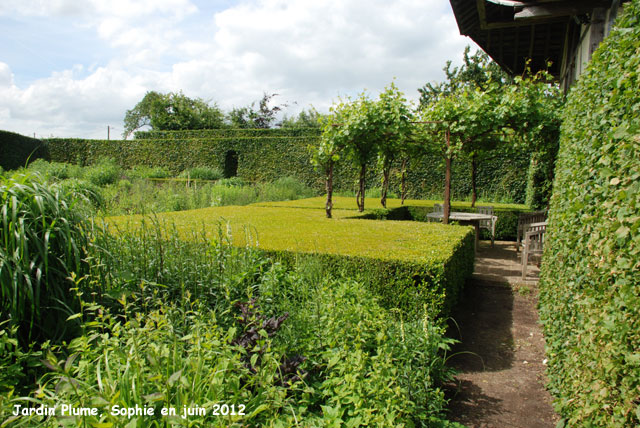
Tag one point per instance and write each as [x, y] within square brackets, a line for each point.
[72, 68]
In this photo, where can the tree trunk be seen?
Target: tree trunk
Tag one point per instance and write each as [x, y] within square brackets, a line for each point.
[447, 183]
[474, 172]
[403, 181]
[329, 187]
[361, 188]
[385, 185]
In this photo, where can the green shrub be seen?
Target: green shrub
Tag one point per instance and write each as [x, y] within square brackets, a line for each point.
[230, 182]
[590, 282]
[222, 195]
[106, 171]
[84, 192]
[44, 241]
[202, 173]
[11, 359]
[55, 170]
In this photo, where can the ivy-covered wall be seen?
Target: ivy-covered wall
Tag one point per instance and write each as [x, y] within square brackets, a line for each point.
[590, 280]
[265, 155]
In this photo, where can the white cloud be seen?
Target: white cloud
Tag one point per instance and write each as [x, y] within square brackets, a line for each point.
[308, 52]
[6, 76]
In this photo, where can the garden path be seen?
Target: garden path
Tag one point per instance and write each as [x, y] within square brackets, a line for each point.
[500, 381]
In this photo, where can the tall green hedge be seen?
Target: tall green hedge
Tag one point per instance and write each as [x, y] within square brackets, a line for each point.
[16, 150]
[590, 281]
[227, 132]
[265, 155]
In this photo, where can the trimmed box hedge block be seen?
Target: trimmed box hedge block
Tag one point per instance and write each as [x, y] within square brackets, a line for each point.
[416, 210]
[411, 265]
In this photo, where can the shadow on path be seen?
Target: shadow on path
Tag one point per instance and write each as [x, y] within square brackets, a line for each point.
[500, 381]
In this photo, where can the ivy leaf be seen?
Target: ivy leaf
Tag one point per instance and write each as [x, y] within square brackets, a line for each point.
[622, 232]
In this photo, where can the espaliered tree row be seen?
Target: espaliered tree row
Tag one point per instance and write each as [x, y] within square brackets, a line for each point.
[361, 130]
[475, 120]
[472, 115]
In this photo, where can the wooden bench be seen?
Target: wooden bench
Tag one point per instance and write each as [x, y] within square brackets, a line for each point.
[533, 243]
[524, 220]
[490, 225]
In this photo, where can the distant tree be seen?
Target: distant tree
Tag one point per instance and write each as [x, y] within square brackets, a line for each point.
[249, 117]
[140, 115]
[240, 118]
[172, 112]
[476, 71]
[304, 119]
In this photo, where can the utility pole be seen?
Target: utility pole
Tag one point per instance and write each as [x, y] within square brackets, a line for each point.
[108, 132]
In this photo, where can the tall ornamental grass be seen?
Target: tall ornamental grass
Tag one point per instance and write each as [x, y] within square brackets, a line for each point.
[42, 242]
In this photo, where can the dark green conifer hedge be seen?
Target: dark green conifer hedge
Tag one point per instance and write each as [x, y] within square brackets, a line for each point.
[16, 150]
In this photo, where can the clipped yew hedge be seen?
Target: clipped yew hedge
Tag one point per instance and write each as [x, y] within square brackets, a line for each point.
[228, 133]
[259, 159]
[268, 154]
[590, 279]
[17, 150]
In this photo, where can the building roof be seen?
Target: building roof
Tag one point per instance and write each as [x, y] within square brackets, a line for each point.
[512, 32]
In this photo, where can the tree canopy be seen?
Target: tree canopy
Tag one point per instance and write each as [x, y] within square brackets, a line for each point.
[476, 71]
[264, 116]
[172, 112]
[362, 129]
[475, 119]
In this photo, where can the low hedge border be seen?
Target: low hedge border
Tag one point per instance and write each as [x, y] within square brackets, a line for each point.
[408, 286]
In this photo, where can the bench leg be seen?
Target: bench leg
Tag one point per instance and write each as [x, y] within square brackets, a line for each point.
[525, 260]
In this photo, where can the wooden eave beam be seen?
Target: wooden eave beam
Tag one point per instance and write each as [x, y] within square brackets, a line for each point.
[558, 9]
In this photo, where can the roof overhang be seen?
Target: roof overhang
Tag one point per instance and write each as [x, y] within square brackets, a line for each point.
[514, 32]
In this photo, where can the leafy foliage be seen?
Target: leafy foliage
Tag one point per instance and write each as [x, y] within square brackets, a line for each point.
[295, 345]
[104, 172]
[478, 71]
[590, 281]
[43, 242]
[263, 117]
[394, 116]
[364, 129]
[172, 111]
[202, 173]
[305, 119]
